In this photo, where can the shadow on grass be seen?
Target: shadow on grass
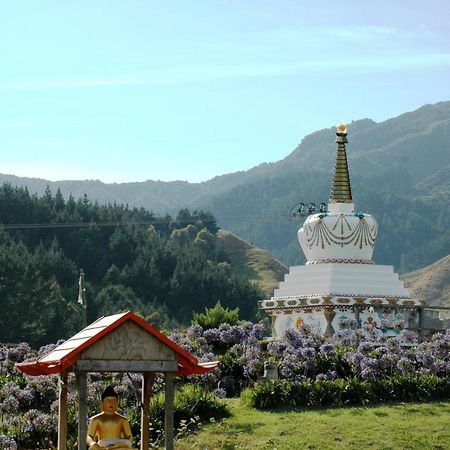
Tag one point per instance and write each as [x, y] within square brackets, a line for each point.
[246, 427]
[356, 409]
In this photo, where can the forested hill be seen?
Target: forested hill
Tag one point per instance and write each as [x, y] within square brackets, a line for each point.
[165, 268]
[400, 172]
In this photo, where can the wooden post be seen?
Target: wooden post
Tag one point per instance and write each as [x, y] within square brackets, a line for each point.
[62, 412]
[147, 382]
[168, 410]
[82, 409]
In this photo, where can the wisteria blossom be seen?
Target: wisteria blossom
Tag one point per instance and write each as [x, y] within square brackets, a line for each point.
[28, 405]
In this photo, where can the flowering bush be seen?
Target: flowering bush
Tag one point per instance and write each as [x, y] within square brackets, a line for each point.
[28, 405]
[311, 371]
[304, 358]
[348, 391]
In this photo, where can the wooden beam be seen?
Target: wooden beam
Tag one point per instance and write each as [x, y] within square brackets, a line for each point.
[62, 412]
[82, 410]
[95, 365]
[168, 410]
[147, 382]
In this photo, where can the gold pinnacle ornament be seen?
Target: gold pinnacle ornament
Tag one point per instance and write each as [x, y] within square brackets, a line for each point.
[341, 191]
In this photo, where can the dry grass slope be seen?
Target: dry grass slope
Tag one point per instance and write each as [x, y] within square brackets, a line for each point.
[431, 283]
[252, 262]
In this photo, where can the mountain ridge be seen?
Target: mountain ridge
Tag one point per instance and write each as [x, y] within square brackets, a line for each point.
[399, 169]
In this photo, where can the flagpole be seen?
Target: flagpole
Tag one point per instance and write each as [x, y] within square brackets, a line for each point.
[82, 298]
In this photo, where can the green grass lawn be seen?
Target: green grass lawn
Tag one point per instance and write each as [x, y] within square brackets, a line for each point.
[403, 426]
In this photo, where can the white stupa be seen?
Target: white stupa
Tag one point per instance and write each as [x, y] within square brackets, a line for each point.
[340, 286]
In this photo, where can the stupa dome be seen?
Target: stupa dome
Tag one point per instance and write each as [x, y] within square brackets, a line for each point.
[341, 234]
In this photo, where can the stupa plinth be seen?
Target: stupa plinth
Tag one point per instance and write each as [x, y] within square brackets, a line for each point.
[340, 285]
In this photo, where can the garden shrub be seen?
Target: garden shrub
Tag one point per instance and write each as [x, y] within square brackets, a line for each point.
[313, 372]
[193, 405]
[216, 316]
[350, 391]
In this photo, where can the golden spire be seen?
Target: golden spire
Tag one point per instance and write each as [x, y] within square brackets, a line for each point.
[341, 191]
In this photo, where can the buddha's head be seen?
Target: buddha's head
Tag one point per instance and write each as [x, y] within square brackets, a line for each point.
[110, 400]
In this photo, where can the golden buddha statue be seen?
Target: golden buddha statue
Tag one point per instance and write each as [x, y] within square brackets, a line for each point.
[109, 430]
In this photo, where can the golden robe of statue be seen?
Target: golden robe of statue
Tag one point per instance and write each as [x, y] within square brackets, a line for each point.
[109, 430]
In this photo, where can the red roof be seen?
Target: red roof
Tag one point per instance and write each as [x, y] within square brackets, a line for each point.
[64, 357]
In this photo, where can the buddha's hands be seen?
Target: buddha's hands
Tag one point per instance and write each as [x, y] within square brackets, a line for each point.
[96, 446]
[118, 446]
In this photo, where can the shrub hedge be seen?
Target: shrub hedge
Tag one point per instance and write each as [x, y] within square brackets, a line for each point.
[349, 391]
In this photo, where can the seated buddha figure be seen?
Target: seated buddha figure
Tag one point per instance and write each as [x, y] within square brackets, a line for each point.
[109, 430]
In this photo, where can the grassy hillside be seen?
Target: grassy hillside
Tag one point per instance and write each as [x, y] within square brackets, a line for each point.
[255, 264]
[431, 283]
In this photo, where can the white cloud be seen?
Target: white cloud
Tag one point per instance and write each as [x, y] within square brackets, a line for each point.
[197, 74]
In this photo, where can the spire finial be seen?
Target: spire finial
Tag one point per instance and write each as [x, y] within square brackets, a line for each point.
[341, 191]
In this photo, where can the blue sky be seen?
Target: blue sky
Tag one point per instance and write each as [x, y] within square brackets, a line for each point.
[189, 89]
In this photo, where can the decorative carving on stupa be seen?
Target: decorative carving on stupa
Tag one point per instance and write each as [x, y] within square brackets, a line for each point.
[341, 234]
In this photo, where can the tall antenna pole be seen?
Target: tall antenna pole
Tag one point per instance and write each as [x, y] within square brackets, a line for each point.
[82, 297]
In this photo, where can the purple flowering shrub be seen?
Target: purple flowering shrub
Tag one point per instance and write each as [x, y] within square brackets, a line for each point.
[302, 355]
[29, 405]
[345, 370]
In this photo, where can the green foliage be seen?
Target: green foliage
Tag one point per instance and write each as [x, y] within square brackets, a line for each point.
[349, 391]
[392, 178]
[191, 401]
[213, 317]
[164, 271]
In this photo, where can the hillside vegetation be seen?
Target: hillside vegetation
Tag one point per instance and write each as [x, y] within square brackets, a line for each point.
[399, 172]
[256, 265]
[164, 268]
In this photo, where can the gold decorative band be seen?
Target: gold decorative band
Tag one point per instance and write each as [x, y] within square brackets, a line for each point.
[341, 261]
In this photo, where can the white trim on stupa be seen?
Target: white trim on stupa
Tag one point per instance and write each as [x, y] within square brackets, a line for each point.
[349, 279]
[281, 305]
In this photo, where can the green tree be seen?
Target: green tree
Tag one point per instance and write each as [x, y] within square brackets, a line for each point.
[117, 298]
[213, 317]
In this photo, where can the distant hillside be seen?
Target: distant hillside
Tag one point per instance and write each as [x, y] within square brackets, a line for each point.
[431, 283]
[399, 169]
[253, 263]
[416, 144]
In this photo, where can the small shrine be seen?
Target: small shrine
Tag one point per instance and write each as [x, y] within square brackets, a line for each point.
[118, 343]
[340, 287]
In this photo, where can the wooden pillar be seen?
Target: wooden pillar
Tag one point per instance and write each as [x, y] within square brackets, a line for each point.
[147, 382]
[168, 410]
[62, 412]
[82, 409]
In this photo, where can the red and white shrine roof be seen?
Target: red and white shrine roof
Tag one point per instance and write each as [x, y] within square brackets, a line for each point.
[64, 357]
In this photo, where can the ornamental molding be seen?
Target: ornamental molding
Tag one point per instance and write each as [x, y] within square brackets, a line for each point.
[288, 304]
[341, 261]
[325, 234]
